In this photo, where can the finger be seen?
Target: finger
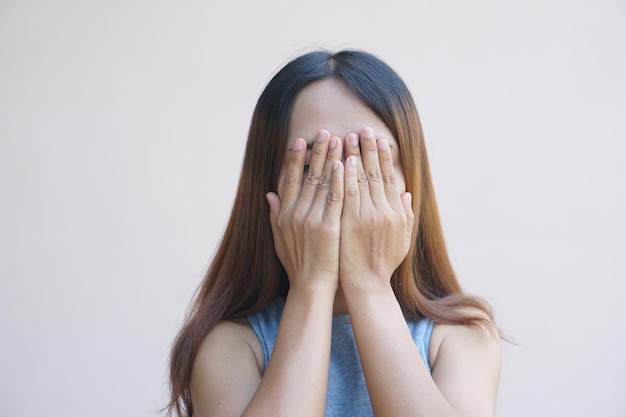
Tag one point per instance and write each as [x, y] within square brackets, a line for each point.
[324, 185]
[389, 175]
[274, 202]
[410, 216]
[352, 191]
[334, 199]
[319, 152]
[292, 182]
[353, 149]
[371, 165]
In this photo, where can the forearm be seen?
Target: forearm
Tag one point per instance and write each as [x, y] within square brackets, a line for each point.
[398, 381]
[296, 379]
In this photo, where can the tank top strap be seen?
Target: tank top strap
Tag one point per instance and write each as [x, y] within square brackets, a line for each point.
[421, 331]
[265, 325]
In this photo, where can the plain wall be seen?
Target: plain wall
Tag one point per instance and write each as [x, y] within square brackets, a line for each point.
[122, 129]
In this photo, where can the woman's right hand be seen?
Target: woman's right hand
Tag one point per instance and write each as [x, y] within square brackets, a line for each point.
[306, 214]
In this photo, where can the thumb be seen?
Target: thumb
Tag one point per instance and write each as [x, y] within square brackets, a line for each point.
[274, 202]
[408, 210]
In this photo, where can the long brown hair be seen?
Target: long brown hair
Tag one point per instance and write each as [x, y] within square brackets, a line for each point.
[246, 273]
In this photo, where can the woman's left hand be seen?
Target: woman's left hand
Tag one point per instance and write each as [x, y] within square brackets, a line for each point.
[377, 219]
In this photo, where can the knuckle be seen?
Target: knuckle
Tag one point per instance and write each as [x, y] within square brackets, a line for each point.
[324, 183]
[334, 197]
[374, 174]
[312, 177]
[361, 178]
[310, 224]
[329, 230]
[390, 179]
[353, 191]
[293, 157]
[318, 151]
[369, 146]
[299, 217]
[281, 221]
[290, 180]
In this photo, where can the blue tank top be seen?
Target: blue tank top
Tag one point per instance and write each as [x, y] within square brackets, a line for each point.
[347, 393]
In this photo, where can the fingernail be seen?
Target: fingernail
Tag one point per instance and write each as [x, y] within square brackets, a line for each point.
[383, 145]
[333, 142]
[352, 161]
[335, 165]
[297, 145]
[321, 135]
[353, 139]
[367, 132]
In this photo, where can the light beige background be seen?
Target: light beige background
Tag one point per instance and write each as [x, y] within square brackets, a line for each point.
[122, 128]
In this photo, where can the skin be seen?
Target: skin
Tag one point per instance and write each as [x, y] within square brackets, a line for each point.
[352, 198]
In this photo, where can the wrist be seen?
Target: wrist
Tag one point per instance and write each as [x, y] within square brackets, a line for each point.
[367, 299]
[362, 283]
[313, 287]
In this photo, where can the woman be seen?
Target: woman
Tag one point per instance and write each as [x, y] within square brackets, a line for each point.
[331, 292]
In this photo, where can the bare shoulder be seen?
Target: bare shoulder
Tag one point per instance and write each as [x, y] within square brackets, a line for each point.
[444, 336]
[465, 363]
[227, 369]
[230, 337]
